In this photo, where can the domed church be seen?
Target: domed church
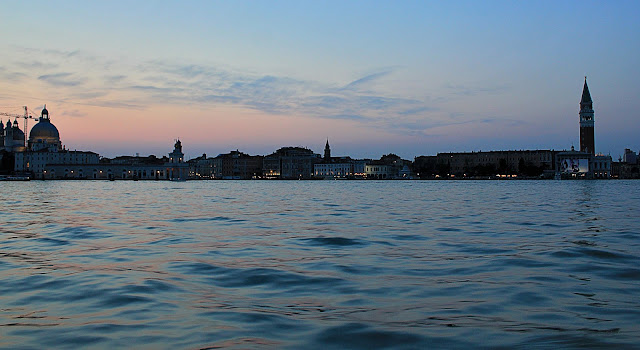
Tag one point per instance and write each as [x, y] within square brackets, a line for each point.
[44, 136]
[45, 149]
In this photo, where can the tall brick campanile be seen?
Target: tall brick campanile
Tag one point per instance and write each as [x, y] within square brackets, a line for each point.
[587, 139]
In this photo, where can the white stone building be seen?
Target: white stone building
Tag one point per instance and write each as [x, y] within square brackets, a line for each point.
[333, 170]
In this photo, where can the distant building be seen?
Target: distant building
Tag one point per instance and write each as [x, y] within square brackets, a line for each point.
[40, 164]
[200, 167]
[151, 159]
[46, 158]
[491, 163]
[333, 167]
[629, 157]
[124, 168]
[341, 170]
[290, 163]
[378, 170]
[399, 168]
[45, 149]
[359, 167]
[237, 165]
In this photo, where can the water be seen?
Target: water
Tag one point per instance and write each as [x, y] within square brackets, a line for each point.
[320, 264]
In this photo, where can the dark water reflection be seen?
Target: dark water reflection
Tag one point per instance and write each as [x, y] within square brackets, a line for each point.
[342, 264]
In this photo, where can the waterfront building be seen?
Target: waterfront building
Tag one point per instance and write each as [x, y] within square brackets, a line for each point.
[137, 159]
[491, 163]
[45, 148]
[40, 163]
[200, 168]
[124, 168]
[601, 166]
[399, 168]
[333, 167]
[290, 163]
[340, 170]
[378, 170]
[627, 166]
[237, 165]
[46, 158]
[359, 167]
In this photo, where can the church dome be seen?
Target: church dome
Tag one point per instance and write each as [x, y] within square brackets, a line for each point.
[18, 135]
[44, 130]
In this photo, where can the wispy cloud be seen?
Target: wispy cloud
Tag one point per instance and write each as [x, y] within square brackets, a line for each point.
[36, 65]
[366, 80]
[346, 117]
[114, 79]
[74, 113]
[62, 79]
[10, 75]
[417, 110]
[96, 81]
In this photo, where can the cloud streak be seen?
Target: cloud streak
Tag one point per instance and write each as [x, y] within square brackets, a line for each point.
[61, 79]
[366, 80]
[96, 81]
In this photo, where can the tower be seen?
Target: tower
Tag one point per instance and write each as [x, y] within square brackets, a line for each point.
[587, 139]
[176, 156]
[178, 169]
[327, 152]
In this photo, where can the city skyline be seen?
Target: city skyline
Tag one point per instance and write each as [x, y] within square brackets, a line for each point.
[412, 79]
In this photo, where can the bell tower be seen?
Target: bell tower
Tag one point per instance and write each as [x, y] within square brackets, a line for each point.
[587, 139]
[327, 152]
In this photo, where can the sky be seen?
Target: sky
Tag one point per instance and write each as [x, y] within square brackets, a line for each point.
[373, 77]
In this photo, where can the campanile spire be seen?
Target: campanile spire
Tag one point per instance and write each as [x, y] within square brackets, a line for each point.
[587, 138]
[327, 152]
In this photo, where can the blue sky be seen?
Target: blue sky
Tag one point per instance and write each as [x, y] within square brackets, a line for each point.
[413, 78]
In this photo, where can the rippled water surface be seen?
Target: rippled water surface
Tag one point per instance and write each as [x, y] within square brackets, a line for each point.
[320, 264]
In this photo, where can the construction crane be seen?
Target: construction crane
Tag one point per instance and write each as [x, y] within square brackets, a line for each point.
[26, 117]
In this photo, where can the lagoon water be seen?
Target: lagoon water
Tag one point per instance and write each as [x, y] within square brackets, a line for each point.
[320, 264]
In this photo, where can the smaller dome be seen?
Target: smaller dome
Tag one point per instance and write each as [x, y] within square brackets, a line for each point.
[44, 111]
[18, 135]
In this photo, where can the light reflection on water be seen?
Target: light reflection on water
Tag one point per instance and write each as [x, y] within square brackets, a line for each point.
[320, 264]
